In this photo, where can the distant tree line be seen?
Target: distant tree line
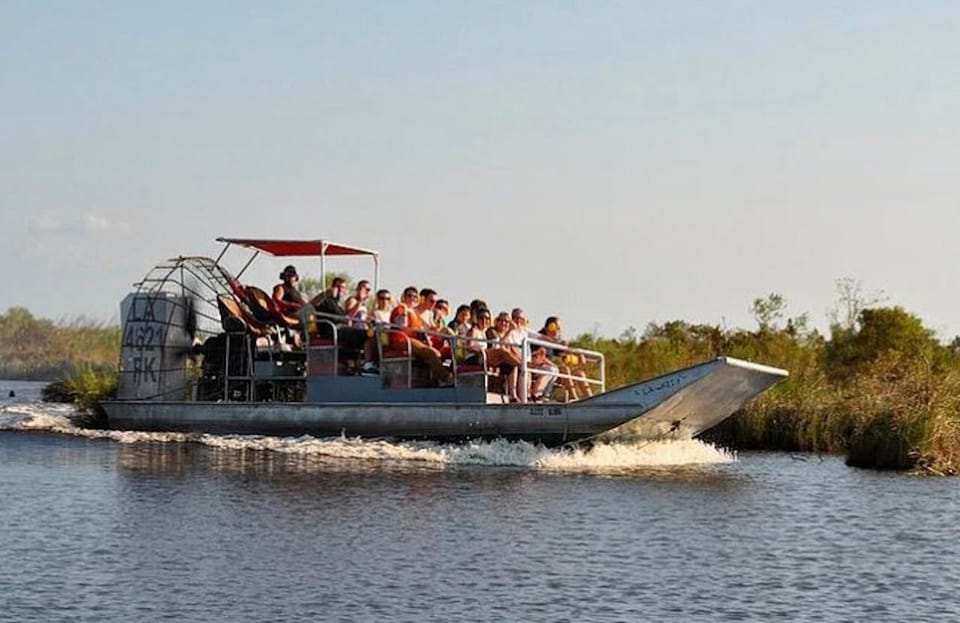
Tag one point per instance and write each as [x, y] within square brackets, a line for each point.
[41, 349]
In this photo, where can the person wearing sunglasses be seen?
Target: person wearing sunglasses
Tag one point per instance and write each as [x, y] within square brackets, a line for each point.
[356, 305]
[382, 307]
[411, 326]
[498, 357]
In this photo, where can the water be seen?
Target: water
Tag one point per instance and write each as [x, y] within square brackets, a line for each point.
[107, 526]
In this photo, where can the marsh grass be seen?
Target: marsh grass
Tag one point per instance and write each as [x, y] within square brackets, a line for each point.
[85, 386]
[884, 393]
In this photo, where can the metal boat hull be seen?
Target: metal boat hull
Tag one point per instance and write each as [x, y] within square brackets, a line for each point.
[682, 403]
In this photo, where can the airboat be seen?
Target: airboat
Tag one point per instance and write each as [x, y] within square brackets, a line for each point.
[204, 352]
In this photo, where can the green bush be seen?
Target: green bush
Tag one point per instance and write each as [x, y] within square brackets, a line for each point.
[85, 386]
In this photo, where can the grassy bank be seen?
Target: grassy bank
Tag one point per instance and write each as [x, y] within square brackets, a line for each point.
[42, 350]
[883, 391]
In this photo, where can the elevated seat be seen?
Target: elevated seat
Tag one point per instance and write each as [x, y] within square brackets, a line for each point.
[266, 309]
[234, 317]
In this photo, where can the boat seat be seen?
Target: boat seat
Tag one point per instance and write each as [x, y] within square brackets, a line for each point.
[399, 368]
[266, 309]
[234, 318]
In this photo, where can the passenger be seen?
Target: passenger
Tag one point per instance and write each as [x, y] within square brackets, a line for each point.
[520, 329]
[541, 384]
[382, 307]
[461, 321]
[519, 332]
[405, 316]
[380, 315]
[503, 332]
[356, 305]
[328, 307]
[496, 355]
[330, 301]
[440, 312]
[439, 327]
[286, 294]
[475, 306]
[570, 363]
[428, 299]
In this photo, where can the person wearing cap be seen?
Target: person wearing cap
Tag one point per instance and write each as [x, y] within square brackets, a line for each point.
[286, 294]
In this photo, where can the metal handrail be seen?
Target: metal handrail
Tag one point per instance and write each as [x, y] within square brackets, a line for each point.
[380, 328]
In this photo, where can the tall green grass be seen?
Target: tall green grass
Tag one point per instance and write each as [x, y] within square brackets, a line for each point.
[85, 386]
[884, 392]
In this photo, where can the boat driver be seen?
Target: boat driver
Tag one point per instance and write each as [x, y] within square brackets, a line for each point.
[286, 294]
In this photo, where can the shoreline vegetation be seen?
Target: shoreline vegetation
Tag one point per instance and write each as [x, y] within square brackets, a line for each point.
[879, 389]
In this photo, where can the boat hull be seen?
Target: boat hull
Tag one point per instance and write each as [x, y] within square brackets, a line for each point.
[679, 404]
[546, 424]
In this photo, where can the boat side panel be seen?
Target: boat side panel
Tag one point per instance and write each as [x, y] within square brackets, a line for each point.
[558, 423]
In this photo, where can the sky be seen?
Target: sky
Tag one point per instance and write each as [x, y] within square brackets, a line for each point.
[613, 163]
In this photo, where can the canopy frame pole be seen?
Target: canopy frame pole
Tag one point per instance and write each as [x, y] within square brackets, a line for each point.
[216, 262]
[247, 265]
[323, 269]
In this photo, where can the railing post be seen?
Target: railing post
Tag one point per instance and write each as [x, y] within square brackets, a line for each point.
[524, 356]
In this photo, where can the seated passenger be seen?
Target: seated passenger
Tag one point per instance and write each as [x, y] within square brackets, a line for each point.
[504, 333]
[411, 331]
[440, 311]
[570, 363]
[498, 357]
[382, 307]
[356, 305]
[461, 320]
[438, 339]
[475, 306]
[329, 301]
[286, 294]
[380, 314]
[541, 384]
[424, 309]
[328, 307]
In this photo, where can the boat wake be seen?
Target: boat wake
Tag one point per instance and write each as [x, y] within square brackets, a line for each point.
[612, 457]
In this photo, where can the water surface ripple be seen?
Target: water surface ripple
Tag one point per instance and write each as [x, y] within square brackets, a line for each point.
[96, 529]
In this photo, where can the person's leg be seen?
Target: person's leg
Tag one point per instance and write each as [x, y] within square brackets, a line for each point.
[497, 356]
[513, 386]
[370, 354]
[582, 386]
[543, 382]
[567, 383]
[431, 357]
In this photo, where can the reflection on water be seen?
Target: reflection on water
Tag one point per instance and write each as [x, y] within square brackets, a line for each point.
[119, 528]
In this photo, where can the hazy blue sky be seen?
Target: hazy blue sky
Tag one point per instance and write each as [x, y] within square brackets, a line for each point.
[615, 163]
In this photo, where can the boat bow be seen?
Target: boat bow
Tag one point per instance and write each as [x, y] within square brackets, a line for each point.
[689, 401]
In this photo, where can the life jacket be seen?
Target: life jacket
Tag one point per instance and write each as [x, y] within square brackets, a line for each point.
[412, 325]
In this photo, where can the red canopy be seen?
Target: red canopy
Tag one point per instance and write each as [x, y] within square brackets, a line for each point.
[282, 248]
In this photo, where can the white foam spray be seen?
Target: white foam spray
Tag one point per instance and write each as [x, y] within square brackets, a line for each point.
[613, 457]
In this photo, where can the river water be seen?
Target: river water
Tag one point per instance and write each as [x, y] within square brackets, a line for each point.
[110, 526]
